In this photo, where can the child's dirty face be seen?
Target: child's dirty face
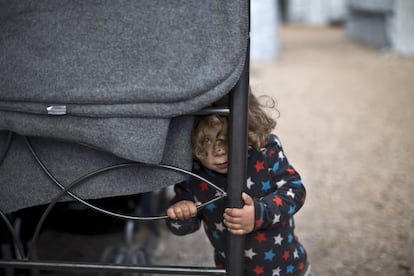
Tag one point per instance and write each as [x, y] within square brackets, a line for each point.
[216, 148]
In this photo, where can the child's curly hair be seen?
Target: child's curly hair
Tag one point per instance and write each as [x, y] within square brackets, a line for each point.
[260, 124]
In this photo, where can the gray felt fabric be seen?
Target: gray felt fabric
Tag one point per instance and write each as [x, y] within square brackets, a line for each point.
[25, 184]
[125, 71]
[106, 58]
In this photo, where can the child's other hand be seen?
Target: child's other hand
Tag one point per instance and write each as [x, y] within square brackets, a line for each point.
[182, 210]
[240, 221]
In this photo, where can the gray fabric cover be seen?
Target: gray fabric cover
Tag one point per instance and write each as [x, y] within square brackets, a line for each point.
[124, 70]
[25, 184]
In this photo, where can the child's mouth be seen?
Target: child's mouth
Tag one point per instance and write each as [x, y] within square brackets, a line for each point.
[222, 165]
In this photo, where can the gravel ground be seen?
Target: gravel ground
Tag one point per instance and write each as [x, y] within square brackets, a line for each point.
[347, 125]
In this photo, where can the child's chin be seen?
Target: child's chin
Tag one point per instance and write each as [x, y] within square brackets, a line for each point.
[222, 171]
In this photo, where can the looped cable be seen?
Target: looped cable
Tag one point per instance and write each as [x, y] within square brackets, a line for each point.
[67, 190]
[6, 150]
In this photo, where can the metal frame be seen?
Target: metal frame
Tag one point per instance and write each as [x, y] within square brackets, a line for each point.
[238, 165]
[236, 176]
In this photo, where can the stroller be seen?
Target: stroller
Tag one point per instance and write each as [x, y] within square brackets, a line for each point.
[97, 100]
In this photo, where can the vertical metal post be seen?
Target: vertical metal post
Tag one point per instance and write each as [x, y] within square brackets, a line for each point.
[238, 165]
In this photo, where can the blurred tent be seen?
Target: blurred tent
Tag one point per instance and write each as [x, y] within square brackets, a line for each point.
[264, 30]
[315, 12]
[382, 23]
[379, 23]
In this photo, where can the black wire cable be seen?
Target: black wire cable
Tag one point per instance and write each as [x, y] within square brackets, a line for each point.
[16, 240]
[6, 150]
[66, 190]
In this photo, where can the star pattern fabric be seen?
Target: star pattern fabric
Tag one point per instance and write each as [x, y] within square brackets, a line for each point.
[272, 247]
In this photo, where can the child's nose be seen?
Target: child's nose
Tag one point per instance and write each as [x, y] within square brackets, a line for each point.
[220, 149]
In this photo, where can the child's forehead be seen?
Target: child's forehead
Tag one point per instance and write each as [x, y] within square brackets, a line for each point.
[211, 130]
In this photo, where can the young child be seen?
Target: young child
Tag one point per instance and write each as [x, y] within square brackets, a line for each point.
[273, 193]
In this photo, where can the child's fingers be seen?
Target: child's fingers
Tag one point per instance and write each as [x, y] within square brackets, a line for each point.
[231, 218]
[248, 200]
[238, 232]
[235, 228]
[171, 214]
[233, 212]
[186, 211]
[239, 219]
[182, 210]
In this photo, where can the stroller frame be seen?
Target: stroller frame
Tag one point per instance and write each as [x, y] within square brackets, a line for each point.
[236, 175]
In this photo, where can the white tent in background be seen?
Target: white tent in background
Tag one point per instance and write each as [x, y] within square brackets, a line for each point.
[316, 12]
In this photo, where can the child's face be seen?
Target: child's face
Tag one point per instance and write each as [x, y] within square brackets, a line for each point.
[216, 149]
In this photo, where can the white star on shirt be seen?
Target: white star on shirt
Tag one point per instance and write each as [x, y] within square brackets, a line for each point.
[280, 183]
[249, 183]
[276, 219]
[295, 254]
[276, 272]
[281, 156]
[220, 227]
[278, 239]
[249, 253]
[290, 193]
[176, 225]
[278, 142]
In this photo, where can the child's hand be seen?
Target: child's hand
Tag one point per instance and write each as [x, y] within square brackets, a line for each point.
[240, 221]
[182, 210]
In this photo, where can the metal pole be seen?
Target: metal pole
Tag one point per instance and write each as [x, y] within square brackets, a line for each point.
[238, 165]
[110, 268]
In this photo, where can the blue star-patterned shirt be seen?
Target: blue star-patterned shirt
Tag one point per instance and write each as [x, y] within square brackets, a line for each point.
[272, 247]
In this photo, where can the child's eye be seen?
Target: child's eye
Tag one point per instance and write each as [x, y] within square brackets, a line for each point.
[207, 141]
[221, 141]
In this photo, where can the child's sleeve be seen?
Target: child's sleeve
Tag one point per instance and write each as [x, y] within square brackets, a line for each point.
[288, 193]
[183, 227]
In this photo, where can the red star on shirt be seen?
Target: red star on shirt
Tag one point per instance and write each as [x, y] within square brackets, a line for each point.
[286, 255]
[259, 223]
[278, 201]
[290, 171]
[301, 266]
[260, 237]
[258, 270]
[271, 152]
[303, 199]
[206, 217]
[259, 166]
[203, 186]
[179, 191]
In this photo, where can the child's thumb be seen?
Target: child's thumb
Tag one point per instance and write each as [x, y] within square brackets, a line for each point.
[247, 199]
